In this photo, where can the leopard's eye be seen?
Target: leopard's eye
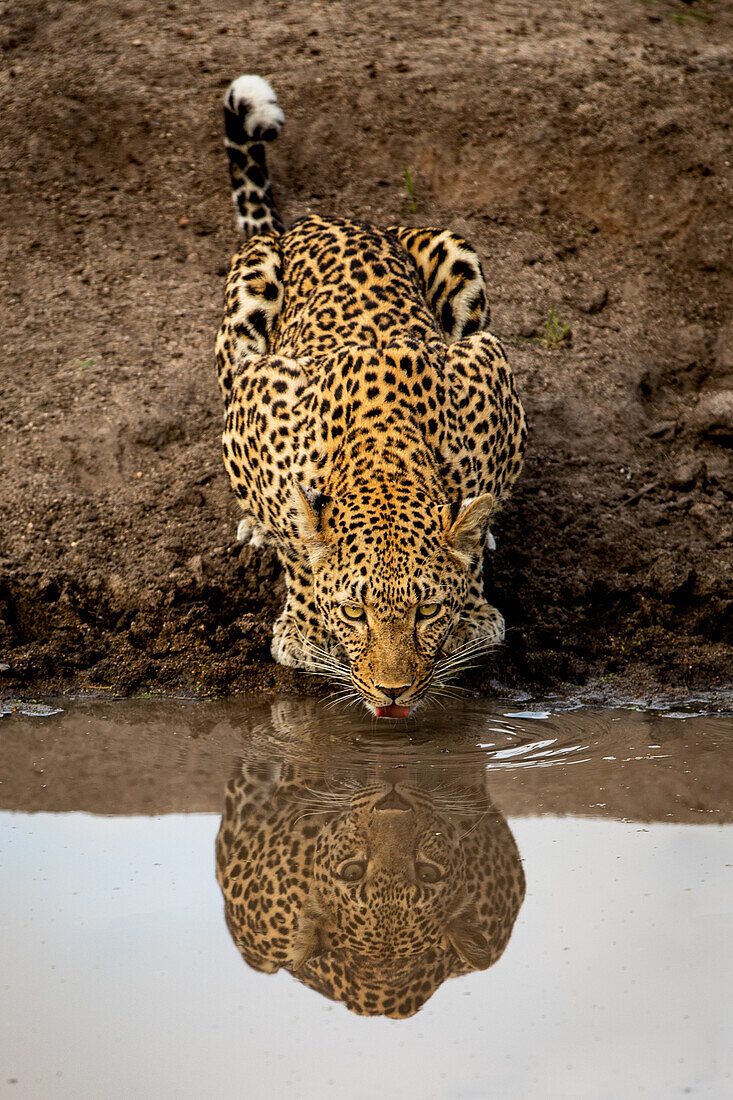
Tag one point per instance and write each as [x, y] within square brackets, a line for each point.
[353, 871]
[428, 610]
[353, 612]
[428, 872]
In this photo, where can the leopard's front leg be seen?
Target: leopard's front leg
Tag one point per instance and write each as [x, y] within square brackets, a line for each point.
[298, 634]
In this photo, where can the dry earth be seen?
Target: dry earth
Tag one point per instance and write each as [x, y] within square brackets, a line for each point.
[583, 148]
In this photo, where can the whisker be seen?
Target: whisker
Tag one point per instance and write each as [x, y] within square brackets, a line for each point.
[486, 642]
[432, 696]
[323, 663]
[313, 813]
[455, 696]
[332, 704]
[346, 698]
[469, 650]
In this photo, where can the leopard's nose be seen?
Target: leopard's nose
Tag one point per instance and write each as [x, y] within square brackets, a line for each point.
[391, 691]
[392, 801]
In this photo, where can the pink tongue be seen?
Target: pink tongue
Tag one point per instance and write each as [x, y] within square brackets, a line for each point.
[393, 711]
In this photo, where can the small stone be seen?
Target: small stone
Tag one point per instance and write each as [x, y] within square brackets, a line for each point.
[712, 258]
[712, 417]
[537, 252]
[686, 474]
[705, 514]
[528, 329]
[196, 566]
[663, 429]
[718, 471]
[183, 222]
[594, 298]
[670, 575]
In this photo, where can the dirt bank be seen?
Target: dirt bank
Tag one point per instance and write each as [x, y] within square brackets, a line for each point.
[584, 149]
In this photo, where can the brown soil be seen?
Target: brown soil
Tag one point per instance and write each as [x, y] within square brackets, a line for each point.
[583, 148]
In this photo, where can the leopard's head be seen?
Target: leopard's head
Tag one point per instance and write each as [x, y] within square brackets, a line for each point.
[391, 573]
[389, 881]
[372, 894]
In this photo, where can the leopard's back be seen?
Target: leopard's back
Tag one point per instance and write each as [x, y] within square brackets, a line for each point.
[347, 283]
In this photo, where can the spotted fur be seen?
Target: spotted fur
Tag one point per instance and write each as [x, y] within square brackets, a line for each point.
[371, 430]
[371, 880]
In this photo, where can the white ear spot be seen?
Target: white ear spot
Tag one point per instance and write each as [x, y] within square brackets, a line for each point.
[490, 541]
[253, 99]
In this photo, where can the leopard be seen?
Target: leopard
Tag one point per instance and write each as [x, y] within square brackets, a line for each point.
[372, 874]
[372, 430]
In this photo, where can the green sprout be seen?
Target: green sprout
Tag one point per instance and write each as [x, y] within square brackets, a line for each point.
[690, 16]
[556, 331]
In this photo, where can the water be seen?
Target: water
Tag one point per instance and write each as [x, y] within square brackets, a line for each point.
[526, 903]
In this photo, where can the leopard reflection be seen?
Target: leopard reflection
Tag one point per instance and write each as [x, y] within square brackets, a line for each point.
[372, 877]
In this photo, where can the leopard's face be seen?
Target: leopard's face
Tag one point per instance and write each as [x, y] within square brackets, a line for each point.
[389, 874]
[389, 605]
[390, 583]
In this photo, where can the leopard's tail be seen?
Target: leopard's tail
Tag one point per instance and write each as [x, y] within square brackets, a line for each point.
[252, 117]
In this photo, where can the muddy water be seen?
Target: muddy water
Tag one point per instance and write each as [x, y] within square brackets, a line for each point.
[207, 899]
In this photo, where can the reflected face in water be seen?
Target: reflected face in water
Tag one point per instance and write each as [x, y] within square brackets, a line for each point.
[371, 881]
[392, 863]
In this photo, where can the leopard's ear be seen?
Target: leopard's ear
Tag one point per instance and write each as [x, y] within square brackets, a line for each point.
[309, 505]
[309, 940]
[468, 939]
[465, 527]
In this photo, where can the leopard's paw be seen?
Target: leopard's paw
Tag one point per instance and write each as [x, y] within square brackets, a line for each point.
[312, 651]
[252, 99]
[249, 530]
[245, 528]
[288, 644]
[260, 537]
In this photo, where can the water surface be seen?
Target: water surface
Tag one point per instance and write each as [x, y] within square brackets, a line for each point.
[270, 898]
